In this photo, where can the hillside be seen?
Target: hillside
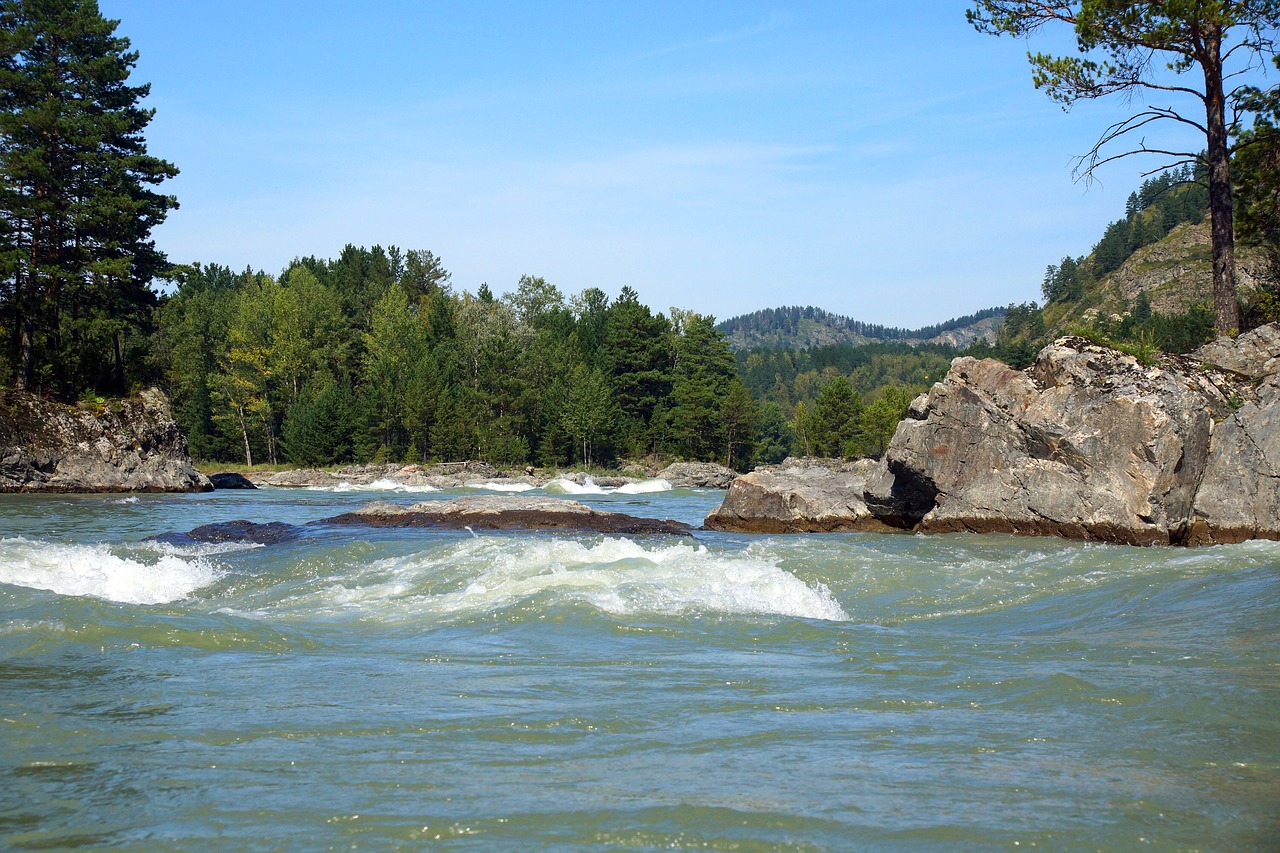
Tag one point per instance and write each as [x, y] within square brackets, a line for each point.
[794, 327]
[1147, 282]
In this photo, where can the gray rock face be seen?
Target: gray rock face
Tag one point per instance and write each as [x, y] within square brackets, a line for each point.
[1087, 443]
[1254, 354]
[798, 496]
[698, 475]
[128, 445]
[1239, 498]
[506, 512]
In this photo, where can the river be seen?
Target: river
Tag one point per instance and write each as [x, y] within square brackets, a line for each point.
[375, 689]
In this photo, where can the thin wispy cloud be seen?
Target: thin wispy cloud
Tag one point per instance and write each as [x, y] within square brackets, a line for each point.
[773, 22]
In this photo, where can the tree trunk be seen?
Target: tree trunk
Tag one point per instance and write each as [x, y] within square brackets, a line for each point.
[26, 330]
[1225, 303]
[244, 432]
[118, 341]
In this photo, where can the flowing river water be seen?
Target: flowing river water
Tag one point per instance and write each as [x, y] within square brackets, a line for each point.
[375, 689]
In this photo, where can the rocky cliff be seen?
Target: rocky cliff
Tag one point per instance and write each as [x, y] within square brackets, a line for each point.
[1087, 443]
[126, 445]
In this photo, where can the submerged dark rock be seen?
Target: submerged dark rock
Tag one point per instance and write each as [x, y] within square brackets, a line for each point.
[506, 512]
[240, 530]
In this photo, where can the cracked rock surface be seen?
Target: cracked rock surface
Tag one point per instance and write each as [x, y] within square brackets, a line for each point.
[1088, 443]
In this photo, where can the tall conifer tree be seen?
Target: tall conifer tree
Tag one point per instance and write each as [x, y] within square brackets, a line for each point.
[76, 199]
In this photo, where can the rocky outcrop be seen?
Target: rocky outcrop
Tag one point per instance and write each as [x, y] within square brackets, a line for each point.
[1087, 443]
[506, 512]
[798, 496]
[126, 445]
[698, 475]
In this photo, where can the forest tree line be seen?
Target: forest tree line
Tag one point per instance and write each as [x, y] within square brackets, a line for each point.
[375, 357]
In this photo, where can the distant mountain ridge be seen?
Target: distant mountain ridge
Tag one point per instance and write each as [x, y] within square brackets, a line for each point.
[796, 327]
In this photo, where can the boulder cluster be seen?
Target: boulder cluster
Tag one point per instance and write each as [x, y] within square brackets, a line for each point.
[1087, 443]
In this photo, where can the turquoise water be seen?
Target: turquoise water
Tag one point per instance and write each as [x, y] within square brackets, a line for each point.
[374, 689]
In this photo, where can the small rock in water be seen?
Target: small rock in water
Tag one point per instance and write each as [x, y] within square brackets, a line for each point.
[506, 512]
[240, 530]
[231, 480]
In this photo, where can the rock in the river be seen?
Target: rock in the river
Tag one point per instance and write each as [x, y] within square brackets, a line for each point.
[126, 445]
[240, 530]
[798, 496]
[698, 475]
[1087, 443]
[231, 480]
[505, 512]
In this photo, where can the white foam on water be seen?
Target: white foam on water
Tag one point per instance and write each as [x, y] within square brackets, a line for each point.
[95, 571]
[618, 576]
[562, 486]
[502, 487]
[645, 487]
[196, 549]
[383, 485]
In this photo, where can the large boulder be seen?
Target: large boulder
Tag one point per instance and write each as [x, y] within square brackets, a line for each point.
[1087, 443]
[798, 496]
[126, 445]
[1240, 496]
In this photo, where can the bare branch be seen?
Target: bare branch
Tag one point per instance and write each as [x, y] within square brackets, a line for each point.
[1095, 162]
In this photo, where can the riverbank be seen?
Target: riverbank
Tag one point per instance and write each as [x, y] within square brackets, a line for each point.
[452, 475]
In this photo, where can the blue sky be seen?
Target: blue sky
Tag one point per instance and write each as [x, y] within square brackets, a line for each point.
[883, 161]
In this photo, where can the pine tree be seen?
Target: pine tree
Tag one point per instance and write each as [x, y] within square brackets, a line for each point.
[76, 208]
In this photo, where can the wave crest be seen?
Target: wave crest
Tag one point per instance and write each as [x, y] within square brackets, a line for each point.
[94, 570]
[622, 577]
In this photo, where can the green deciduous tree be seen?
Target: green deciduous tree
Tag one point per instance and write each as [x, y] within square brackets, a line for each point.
[881, 416]
[1136, 48]
[76, 204]
[588, 410]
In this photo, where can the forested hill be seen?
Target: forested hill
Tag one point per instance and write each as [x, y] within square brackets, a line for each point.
[794, 327]
[1147, 284]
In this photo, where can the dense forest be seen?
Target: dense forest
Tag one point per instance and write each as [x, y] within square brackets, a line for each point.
[373, 356]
